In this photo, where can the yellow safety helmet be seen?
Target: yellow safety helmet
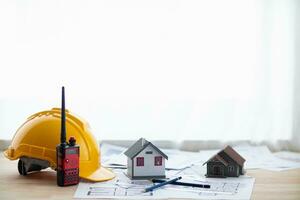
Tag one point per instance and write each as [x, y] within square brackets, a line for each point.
[38, 137]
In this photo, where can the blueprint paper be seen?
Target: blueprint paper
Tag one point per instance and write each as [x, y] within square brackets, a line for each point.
[114, 158]
[287, 155]
[261, 157]
[108, 150]
[124, 188]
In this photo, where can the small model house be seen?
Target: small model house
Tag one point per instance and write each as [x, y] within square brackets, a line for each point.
[145, 160]
[226, 163]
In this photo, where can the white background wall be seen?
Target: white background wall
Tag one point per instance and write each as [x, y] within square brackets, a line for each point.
[177, 70]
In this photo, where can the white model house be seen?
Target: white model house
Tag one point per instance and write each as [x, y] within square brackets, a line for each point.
[145, 161]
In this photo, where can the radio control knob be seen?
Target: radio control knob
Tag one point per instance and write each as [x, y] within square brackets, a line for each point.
[72, 141]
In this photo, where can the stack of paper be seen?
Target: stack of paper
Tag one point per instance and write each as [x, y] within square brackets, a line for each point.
[257, 157]
[292, 156]
[113, 156]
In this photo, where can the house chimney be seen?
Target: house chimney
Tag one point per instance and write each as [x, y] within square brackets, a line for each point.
[143, 141]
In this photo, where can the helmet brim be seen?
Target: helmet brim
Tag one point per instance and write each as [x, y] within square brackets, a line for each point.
[101, 174]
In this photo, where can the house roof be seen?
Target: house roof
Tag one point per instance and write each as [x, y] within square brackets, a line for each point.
[221, 159]
[139, 146]
[231, 153]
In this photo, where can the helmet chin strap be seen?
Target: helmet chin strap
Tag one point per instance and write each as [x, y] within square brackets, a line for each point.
[27, 164]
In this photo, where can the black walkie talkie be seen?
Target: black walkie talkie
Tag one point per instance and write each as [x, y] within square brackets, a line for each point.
[67, 154]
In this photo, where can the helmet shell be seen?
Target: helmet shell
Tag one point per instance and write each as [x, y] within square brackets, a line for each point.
[40, 134]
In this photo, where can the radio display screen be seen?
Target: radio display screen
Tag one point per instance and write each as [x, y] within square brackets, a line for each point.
[71, 151]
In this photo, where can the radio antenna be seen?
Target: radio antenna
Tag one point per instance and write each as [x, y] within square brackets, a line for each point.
[63, 118]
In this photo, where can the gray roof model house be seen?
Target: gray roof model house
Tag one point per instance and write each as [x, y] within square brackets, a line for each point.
[145, 160]
[226, 163]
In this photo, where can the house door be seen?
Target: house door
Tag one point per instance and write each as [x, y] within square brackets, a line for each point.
[217, 170]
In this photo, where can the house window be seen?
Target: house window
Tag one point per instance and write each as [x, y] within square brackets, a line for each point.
[149, 152]
[140, 161]
[230, 168]
[157, 160]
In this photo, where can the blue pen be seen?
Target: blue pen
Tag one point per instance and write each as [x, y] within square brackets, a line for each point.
[162, 184]
[183, 183]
